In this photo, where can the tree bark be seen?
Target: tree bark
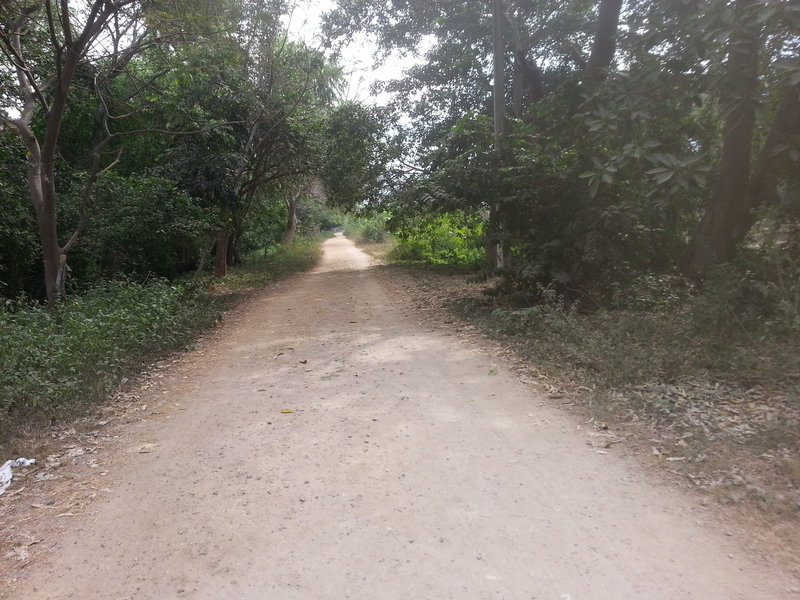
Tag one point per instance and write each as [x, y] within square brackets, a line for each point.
[785, 126]
[291, 221]
[221, 264]
[605, 45]
[727, 217]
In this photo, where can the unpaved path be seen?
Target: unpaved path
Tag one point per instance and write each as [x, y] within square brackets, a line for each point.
[412, 466]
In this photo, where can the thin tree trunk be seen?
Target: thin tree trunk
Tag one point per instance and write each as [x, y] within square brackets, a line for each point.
[291, 221]
[728, 215]
[494, 251]
[221, 264]
[202, 263]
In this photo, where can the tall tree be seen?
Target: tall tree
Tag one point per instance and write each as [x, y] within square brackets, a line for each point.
[742, 182]
[44, 44]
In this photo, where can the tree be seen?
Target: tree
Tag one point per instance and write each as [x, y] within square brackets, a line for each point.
[356, 157]
[44, 46]
[620, 113]
[742, 183]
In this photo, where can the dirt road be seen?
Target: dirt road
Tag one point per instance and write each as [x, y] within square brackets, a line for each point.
[412, 466]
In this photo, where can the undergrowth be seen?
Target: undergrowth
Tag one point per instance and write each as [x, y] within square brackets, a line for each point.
[55, 364]
[276, 262]
[366, 230]
[727, 334]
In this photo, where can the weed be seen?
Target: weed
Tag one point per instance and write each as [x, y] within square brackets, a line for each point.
[56, 360]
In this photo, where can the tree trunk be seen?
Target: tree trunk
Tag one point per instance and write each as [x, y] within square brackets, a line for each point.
[51, 251]
[727, 217]
[518, 91]
[43, 201]
[528, 84]
[291, 221]
[785, 126]
[221, 264]
[605, 44]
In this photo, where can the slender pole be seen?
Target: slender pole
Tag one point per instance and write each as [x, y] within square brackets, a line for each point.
[499, 77]
[494, 250]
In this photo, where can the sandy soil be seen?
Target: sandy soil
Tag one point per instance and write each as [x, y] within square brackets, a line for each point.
[325, 444]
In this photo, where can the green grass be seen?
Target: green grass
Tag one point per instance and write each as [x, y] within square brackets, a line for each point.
[261, 268]
[56, 361]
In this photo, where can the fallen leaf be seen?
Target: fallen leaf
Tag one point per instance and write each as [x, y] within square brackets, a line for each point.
[287, 411]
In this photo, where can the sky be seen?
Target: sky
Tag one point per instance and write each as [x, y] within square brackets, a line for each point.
[356, 58]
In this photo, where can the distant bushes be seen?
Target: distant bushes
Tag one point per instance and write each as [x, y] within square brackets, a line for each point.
[455, 238]
[369, 230]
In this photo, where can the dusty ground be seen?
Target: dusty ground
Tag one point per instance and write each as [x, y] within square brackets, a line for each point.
[732, 445]
[327, 443]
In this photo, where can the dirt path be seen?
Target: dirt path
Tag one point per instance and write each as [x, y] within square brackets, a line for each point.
[413, 466]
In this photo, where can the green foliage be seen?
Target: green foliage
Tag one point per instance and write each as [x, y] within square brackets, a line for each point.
[53, 360]
[315, 217]
[370, 230]
[448, 239]
[140, 226]
[355, 158]
[266, 224]
[20, 269]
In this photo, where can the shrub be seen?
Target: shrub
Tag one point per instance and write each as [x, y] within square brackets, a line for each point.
[370, 230]
[52, 360]
[454, 238]
[140, 225]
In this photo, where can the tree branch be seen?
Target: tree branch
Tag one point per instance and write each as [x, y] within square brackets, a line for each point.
[604, 45]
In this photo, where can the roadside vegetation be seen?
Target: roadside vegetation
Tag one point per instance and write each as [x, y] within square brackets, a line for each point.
[58, 363]
[143, 148]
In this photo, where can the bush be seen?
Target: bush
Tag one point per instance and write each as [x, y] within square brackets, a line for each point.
[53, 360]
[138, 226]
[454, 238]
[20, 255]
[370, 230]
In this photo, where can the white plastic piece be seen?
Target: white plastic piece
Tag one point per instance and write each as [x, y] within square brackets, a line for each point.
[6, 473]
